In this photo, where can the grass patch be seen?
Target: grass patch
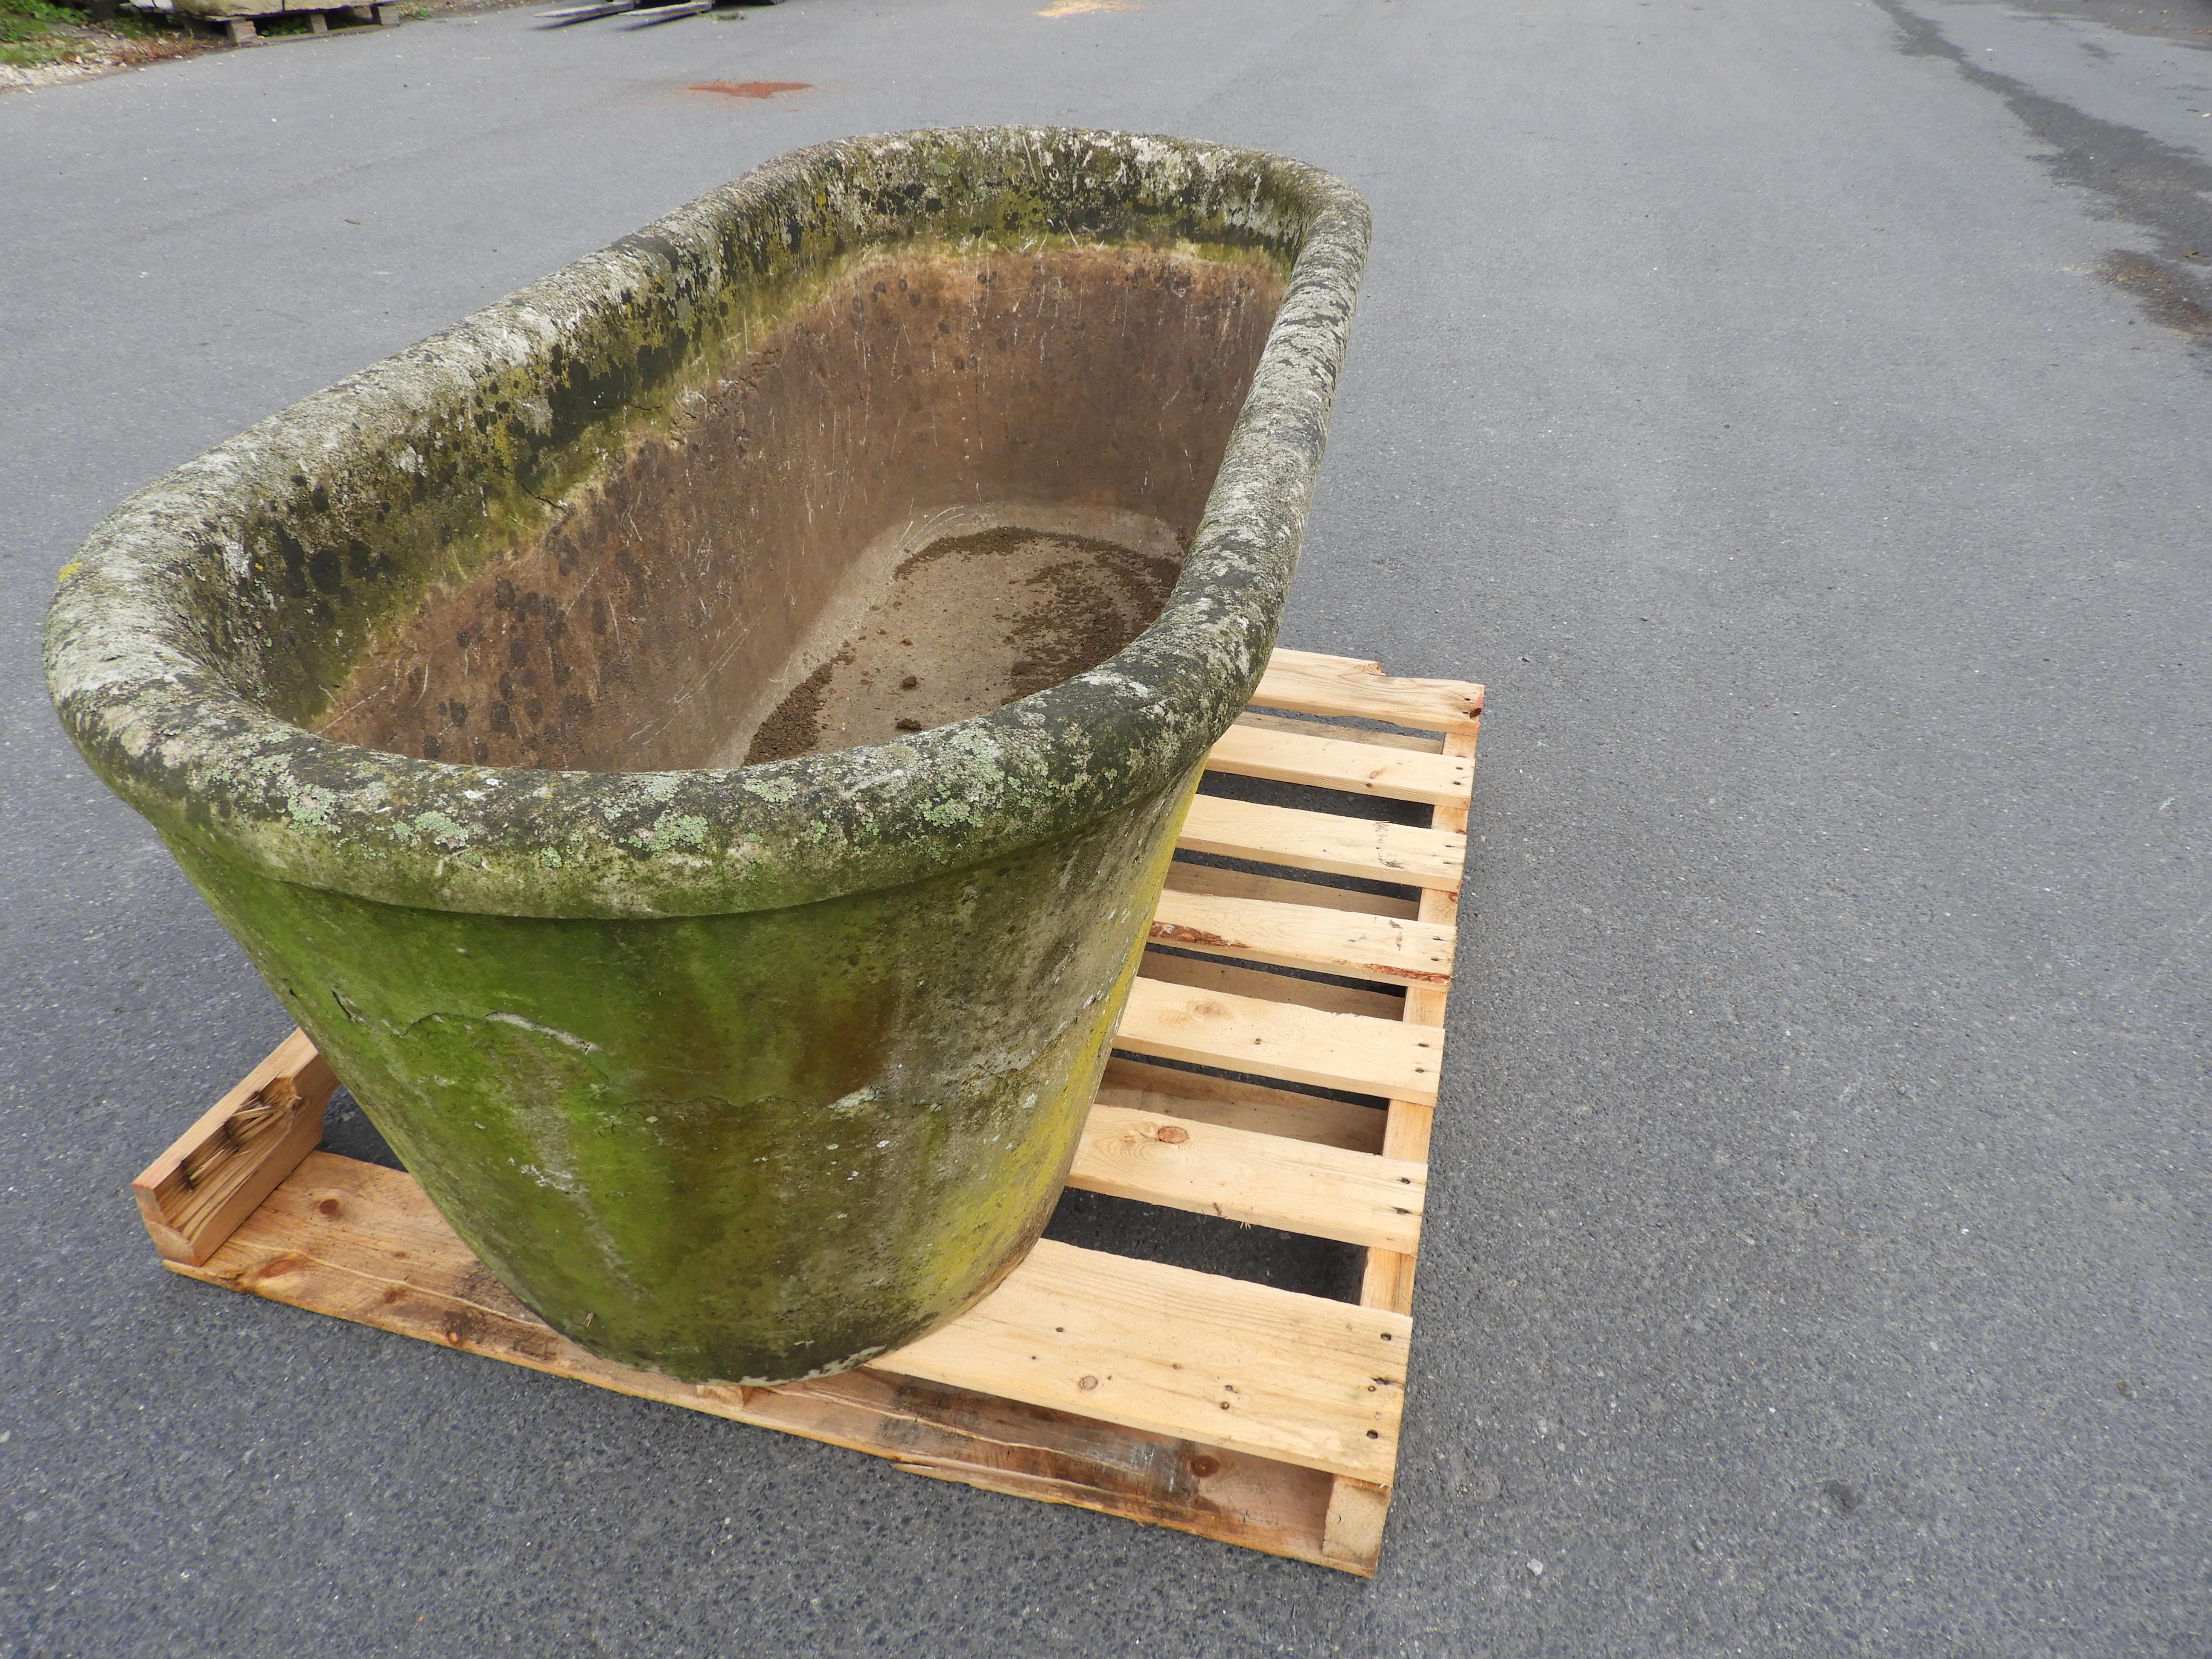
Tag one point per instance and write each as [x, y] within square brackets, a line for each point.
[27, 38]
[39, 34]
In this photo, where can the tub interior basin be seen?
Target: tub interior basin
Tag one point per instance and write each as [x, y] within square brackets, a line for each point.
[948, 480]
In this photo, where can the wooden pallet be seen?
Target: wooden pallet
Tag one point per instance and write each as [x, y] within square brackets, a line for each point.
[243, 26]
[1260, 1416]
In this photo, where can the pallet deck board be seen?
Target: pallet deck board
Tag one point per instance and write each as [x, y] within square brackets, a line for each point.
[1345, 763]
[1363, 848]
[1361, 1052]
[1245, 1175]
[1332, 941]
[1212, 973]
[1254, 1369]
[1236, 1104]
[1313, 685]
[1258, 1417]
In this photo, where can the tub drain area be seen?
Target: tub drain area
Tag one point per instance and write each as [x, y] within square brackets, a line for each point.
[949, 482]
[967, 622]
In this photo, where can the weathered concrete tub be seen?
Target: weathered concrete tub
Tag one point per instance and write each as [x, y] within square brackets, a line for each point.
[439, 687]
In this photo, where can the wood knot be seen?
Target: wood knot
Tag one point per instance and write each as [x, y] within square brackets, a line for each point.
[328, 1206]
[1172, 1134]
[1086, 1384]
[1204, 1467]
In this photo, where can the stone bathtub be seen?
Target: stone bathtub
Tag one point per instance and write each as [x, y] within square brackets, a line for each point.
[697, 745]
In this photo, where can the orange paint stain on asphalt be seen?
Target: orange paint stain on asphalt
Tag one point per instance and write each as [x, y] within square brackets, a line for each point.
[748, 88]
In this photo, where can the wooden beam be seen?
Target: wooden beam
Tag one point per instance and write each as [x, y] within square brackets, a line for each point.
[1354, 1528]
[210, 1177]
[1306, 1380]
[1358, 769]
[1324, 842]
[1196, 1097]
[1395, 953]
[1311, 684]
[1319, 1191]
[1351, 1536]
[1388, 1278]
[1353, 1052]
[1283, 657]
[1297, 1379]
[1212, 974]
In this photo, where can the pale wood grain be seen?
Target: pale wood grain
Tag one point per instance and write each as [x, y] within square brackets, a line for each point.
[1337, 763]
[1353, 1530]
[1351, 1536]
[1309, 1381]
[1313, 685]
[209, 1178]
[1283, 657]
[1320, 1191]
[1299, 1378]
[1387, 1280]
[1240, 1104]
[1280, 1040]
[1339, 846]
[1211, 973]
[1395, 952]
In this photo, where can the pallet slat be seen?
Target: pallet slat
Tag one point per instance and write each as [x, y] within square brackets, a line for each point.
[1358, 769]
[1198, 1098]
[1323, 842]
[1309, 1382]
[1242, 1176]
[1332, 941]
[1299, 1378]
[1311, 684]
[1355, 1052]
[1212, 973]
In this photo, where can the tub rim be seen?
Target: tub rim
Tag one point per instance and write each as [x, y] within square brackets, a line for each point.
[178, 738]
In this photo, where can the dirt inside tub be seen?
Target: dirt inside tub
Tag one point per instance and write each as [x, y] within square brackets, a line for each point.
[949, 483]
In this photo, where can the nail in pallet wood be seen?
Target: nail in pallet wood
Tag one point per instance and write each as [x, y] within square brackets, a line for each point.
[1260, 1416]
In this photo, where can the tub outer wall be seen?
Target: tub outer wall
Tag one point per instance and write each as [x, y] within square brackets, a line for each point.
[619, 1023]
[745, 1147]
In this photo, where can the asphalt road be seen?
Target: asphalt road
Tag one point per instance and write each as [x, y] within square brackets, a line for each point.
[1797, 413]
